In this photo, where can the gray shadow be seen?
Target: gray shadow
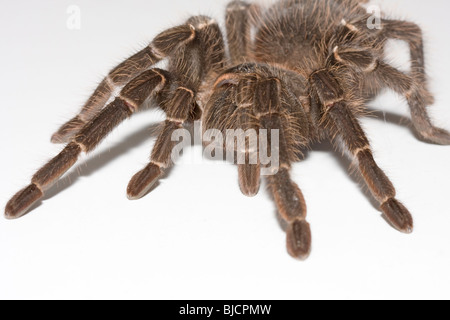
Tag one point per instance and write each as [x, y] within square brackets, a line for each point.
[93, 164]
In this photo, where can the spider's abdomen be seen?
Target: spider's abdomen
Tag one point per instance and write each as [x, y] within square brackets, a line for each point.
[294, 33]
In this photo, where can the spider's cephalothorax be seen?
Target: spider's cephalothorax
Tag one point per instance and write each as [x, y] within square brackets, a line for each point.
[303, 67]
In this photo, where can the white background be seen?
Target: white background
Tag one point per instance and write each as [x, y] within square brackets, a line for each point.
[196, 236]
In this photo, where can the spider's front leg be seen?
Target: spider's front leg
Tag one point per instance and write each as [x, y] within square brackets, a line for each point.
[129, 101]
[278, 109]
[189, 66]
[339, 119]
[251, 97]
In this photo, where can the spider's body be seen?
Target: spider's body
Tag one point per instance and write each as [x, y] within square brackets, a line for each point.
[303, 67]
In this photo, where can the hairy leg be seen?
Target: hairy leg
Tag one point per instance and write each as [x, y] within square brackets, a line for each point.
[417, 101]
[379, 74]
[90, 135]
[412, 34]
[343, 124]
[238, 24]
[339, 120]
[243, 100]
[163, 45]
[174, 43]
[189, 67]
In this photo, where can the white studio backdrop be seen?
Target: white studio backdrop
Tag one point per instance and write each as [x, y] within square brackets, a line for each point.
[196, 236]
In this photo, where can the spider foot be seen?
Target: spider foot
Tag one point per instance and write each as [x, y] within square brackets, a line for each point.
[299, 239]
[143, 181]
[436, 136]
[398, 216]
[22, 202]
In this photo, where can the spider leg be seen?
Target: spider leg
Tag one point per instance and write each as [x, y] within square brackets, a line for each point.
[189, 65]
[248, 101]
[381, 75]
[347, 127]
[401, 83]
[288, 196]
[160, 159]
[249, 176]
[128, 102]
[249, 170]
[419, 97]
[159, 48]
[339, 119]
[411, 33]
[229, 114]
[238, 24]
[248, 125]
[292, 208]
[277, 108]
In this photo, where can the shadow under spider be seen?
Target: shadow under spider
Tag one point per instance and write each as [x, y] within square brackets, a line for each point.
[93, 164]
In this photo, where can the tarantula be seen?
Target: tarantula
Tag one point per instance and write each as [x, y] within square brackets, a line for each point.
[304, 67]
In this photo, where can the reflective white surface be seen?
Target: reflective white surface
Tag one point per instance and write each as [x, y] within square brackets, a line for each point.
[196, 236]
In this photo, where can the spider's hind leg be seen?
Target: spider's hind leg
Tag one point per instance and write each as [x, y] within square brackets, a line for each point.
[239, 19]
[412, 87]
[417, 101]
[418, 95]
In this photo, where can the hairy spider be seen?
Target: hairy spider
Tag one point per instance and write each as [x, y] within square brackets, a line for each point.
[304, 67]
